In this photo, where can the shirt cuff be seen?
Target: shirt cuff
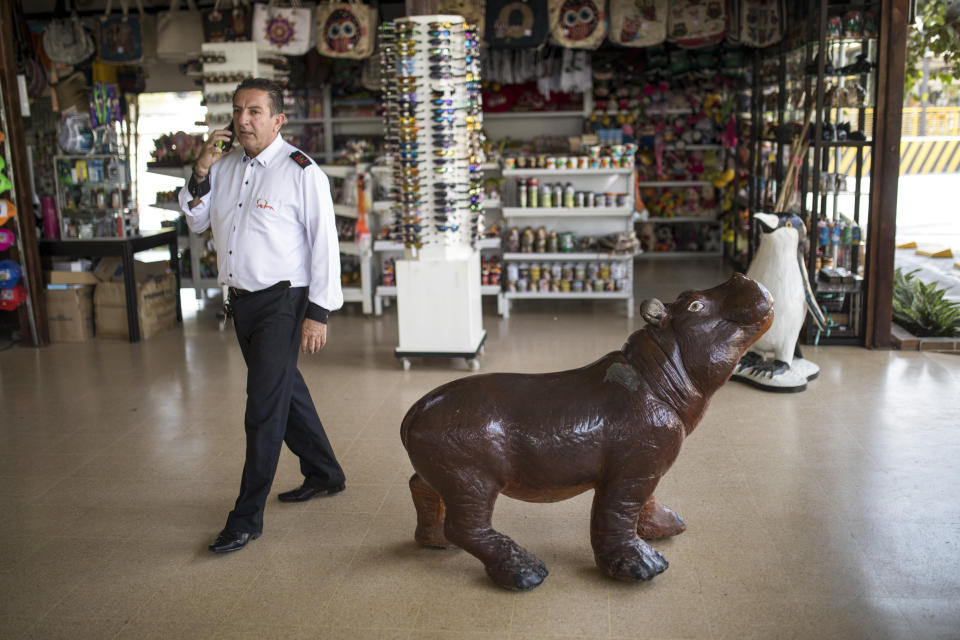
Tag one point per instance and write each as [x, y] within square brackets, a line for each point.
[317, 313]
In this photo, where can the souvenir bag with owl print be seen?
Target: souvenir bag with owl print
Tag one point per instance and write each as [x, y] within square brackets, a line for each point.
[516, 24]
[578, 24]
[761, 22]
[471, 11]
[696, 23]
[285, 28]
[638, 23]
[346, 29]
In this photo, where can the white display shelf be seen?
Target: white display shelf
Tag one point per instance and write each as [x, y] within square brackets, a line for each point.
[382, 205]
[571, 295]
[384, 291]
[534, 114]
[680, 220]
[169, 206]
[492, 204]
[489, 243]
[677, 255]
[556, 257]
[564, 212]
[674, 183]
[352, 294]
[350, 248]
[567, 172]
[391, 246]
[345, 210]
[182, 171]
[490, 167]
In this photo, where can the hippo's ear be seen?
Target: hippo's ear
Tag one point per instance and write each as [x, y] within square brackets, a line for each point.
[653, 311]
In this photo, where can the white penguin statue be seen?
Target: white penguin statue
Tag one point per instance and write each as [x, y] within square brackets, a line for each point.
[774, 362]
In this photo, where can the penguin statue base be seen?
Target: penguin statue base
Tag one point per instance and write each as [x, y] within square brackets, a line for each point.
[770, 374]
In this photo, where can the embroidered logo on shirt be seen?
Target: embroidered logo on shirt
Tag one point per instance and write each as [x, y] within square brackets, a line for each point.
[263, 204]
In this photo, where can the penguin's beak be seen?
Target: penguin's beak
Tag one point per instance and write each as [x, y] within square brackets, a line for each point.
[769, 221]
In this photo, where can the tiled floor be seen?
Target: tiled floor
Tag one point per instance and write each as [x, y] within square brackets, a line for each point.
[827, 514]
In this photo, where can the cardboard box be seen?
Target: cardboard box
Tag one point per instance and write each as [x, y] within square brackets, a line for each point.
[70, 314]
[110, 269]
[156, 307]
[71, 277]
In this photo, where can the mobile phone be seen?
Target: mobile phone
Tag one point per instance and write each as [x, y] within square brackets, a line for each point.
[226, 146]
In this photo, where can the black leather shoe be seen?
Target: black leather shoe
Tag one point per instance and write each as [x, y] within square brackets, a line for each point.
[232, 541]
[303, 493]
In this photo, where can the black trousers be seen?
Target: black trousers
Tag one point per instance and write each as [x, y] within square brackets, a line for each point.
[279, 407]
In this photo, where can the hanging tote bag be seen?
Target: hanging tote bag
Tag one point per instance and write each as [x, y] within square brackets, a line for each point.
[179, 32]
[121, 41]
[638, 23]
[285, 30]
[227, 25]
[761, 22]
[346, 29]
[65, 39]
[516, 24]
[695, 23]
[578, 24]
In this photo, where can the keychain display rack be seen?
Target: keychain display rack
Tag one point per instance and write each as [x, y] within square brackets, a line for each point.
[430, 82]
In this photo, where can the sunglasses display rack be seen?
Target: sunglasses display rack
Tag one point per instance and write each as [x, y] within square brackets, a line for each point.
[432, 118]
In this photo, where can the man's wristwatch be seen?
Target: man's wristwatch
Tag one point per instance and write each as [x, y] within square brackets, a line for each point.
[198, 187]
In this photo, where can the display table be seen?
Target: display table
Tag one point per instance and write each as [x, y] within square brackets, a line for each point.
[125, 248]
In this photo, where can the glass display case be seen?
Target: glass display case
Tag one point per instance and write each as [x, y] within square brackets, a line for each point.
[94, 198]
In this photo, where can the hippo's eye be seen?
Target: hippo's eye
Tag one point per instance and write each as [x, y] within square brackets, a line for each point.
[696, 305]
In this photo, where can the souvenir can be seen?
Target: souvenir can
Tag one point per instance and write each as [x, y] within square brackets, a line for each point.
[598, 285]
[522, 192]
[577, 286]
[534, 272]
[533, 193]
[510, 162]
[566, 242]
[513, 272]
[569, 197]
[609, 199]
[524, 269]
[556, 270]
[541, 161]
[621, 200]
[553, 243]
[593, 271]
[604, 271]
[565, 286]
[605, 162]
[622, 284]
[545, 195]
[598, 200]
[522, 285]
[578, 199]
[567, 272]
[513, 240]
[581, 162]
[580, 271]
[618, 270]
[551, 163]
[544, 286]
[558, 194]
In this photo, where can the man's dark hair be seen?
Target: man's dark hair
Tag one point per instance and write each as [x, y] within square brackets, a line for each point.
[273, 89]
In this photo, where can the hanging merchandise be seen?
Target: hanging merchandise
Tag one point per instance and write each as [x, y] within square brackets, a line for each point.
[471, 11]
[12, 298]
[284, 30]
[65, 39]
[345, 29]
[638, 23]
[7, 210]
[10, 273]
[578, 24]
[6, 239]
[179, 32]
[104, 104]
[760, 22]
[516, 24]
[76, 135]
[227, 25]
[694, 23]
[120, 36]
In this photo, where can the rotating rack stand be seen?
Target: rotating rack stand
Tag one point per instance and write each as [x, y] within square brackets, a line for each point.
[432, 115]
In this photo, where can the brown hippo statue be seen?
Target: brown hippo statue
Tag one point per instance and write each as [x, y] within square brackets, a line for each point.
[614, 426]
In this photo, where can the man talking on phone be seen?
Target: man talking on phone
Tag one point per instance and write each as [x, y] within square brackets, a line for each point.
[272, 217]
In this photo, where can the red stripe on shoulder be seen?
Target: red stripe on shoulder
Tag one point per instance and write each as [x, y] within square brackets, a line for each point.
[301, 159]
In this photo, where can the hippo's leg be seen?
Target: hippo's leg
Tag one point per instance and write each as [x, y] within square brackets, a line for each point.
[468, 525]
[613, 533]
[658, 521]
[430, 512]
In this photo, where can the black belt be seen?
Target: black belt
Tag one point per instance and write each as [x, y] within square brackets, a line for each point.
[239, 293]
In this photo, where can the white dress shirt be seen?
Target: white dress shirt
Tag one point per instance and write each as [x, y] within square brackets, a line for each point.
[272, 220]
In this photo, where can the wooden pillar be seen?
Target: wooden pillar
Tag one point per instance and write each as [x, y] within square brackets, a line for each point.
[18, 173]
[881, 233]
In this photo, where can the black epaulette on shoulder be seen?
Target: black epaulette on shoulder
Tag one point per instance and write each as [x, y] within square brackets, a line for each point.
[301, 159]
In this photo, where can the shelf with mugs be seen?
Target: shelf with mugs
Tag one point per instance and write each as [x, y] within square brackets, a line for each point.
[677, 255]
[393, 246]
[567, 295]
[567, 212]
[574, 256]
[526, 173]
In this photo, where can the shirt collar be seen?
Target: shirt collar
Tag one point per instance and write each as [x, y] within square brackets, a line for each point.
[268, 154]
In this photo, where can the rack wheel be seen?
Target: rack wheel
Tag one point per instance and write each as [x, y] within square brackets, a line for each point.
[473, 364]
[406, 363]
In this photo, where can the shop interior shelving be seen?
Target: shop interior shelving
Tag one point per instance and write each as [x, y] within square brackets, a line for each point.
[803, 79]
